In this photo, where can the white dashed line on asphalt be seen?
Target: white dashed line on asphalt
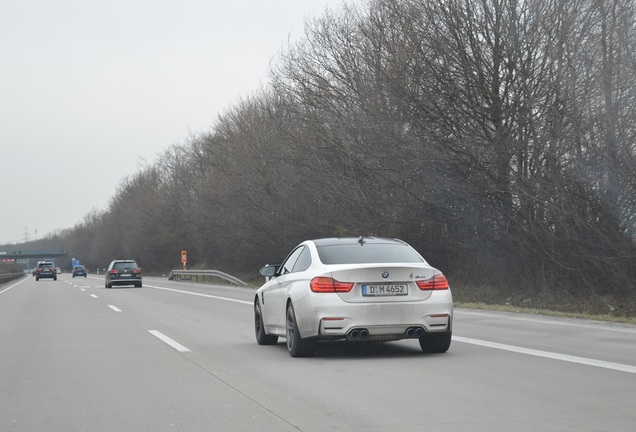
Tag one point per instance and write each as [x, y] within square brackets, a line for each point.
[169, 341]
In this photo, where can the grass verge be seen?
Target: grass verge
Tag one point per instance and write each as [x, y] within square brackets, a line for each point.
[545, 312]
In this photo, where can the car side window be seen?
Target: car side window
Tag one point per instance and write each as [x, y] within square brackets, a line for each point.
[288, 265]
[303, 262]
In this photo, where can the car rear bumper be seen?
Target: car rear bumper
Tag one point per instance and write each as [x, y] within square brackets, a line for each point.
[326, 316]
[124, 281]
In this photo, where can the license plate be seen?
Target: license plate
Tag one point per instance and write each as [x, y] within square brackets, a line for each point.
[384, 290]
[125, 275]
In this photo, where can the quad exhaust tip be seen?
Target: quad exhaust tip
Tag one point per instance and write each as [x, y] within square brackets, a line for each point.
[414, 332]
[359, 333]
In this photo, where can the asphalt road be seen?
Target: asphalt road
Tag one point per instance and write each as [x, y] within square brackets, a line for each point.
[176, 356]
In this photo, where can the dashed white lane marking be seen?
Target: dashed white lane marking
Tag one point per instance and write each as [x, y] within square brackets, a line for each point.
[115, 308]
[169, 341]
[555, 356]
[94, 296]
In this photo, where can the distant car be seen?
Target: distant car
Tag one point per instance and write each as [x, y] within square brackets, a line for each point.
[45, 269]
[359, 289]
[123, 272]
[58, 270]
[79, 270]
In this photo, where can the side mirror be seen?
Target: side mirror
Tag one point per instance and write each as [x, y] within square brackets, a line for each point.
[269, 270]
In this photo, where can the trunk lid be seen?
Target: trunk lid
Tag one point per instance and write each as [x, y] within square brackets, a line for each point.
[383, 283]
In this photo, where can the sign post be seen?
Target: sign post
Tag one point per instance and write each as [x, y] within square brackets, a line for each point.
[184, 258]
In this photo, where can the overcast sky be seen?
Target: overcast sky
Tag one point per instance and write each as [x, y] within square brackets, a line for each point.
[90, 89]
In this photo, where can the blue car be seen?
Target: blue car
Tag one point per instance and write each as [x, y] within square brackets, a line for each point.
[79, 270]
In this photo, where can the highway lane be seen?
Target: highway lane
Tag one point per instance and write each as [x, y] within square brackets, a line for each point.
[181, 356]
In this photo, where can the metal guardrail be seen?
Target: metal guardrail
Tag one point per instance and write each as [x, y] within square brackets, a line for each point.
[203, 275]
[4, 278]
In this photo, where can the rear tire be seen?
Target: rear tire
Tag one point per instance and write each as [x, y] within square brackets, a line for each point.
[296, 345]
[435, 342]
[262, 338]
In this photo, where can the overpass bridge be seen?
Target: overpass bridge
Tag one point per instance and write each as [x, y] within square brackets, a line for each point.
[24, 258]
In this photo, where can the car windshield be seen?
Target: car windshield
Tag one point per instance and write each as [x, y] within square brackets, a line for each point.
[369, 253]
[46, 265]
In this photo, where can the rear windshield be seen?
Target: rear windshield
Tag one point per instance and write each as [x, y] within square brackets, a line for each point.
[46, 265]
[125, 265]
[371, 253]
[79, 267]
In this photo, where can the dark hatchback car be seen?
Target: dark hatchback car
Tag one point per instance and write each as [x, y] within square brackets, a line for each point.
[79, 270]
[45, 270]
[123, 272]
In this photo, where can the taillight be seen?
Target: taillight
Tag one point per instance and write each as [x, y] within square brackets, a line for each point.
[136, 271]
[323, 284]
[113, 271]
[437, 282]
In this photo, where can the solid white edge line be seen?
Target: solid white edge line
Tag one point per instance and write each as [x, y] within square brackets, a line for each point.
[600, 325]
[115, 308]
[169, 341]
[555, 356]
[546, 354]
[200, 295]
[14, 285]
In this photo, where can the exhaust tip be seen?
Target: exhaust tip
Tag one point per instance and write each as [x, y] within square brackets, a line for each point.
[354, 333]
[364, 333]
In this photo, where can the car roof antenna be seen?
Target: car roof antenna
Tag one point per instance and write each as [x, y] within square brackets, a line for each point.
[361, 240]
